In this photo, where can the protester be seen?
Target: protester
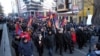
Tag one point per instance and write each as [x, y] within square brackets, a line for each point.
[69, 43]
[59, 40]
[39, 44]
[25, 47]
[80, 37]
[96, 52]
[50, 43]
[15, 44]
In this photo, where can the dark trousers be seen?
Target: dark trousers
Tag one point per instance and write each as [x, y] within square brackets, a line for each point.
[60, 47]
[40, 50]
[65, 46]
[80, 44]
[70, 47]
[16, 52]
[27, 55]
[50, 51]
[99, 39]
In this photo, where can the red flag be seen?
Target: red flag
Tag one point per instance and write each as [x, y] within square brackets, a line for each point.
[30, 22]
[51, 16]
[17, 28]
[49, 23]
[64, 21]
[25, 35]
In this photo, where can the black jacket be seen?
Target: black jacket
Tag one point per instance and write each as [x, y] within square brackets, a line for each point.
[15, 43]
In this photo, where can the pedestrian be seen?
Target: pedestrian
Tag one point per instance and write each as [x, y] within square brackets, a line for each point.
[50, 42]
[69, 41]
[39, 44]
[15, 44]
[80, 37]
[96, 52]
[73, 37]
[59, 40]
[25, 47]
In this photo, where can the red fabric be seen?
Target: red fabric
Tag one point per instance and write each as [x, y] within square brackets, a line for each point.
[30, 22]
[49, 23]
[64, 21]
[21, 35]
[73, 34]
[26, 35]
[17, 28]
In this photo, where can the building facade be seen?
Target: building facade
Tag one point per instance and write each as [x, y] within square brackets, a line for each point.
[87, 9]
[32, 6]
[70, 9]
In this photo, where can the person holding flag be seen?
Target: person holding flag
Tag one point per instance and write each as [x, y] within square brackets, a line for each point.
[30, 22]
[64, 21]
[18, 28]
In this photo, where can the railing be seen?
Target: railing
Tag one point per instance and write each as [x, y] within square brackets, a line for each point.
[5, 49]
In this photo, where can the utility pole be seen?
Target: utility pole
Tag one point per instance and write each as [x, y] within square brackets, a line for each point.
[18, 7]
[12, 5]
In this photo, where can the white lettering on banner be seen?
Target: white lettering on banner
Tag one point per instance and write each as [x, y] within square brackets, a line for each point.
[75, 8]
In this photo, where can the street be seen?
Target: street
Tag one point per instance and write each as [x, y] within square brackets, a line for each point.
[77, 52]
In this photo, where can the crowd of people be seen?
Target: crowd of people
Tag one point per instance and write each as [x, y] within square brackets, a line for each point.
[41, 35]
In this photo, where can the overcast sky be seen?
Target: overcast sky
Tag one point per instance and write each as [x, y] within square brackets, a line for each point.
[7, 7]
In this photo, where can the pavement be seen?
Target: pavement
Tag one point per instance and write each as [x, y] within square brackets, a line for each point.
[5, 45]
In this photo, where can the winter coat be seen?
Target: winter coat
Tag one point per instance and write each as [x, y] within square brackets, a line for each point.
[50, 41]
[67, 38]
[37, 42]
[73, 36]
[15, 43]
[80, 35]
[59, 38]
[26, 48]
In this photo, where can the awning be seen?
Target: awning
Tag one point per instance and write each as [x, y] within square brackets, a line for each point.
[68, 13]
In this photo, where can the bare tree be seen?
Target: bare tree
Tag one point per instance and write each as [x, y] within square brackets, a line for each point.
[96, 15]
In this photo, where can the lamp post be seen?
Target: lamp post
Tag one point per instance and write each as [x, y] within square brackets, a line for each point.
[12, 5]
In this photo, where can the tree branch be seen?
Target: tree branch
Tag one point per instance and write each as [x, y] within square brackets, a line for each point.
[89, 2]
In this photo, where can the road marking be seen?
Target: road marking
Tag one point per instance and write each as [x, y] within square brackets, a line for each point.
[82, 52]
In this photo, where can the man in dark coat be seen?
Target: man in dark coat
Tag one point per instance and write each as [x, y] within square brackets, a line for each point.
[80, 37]
[96, 52]
[68, 42]
[59, 40]
[39, 44]
[15, 44]
[50, 42]
[25, 47]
